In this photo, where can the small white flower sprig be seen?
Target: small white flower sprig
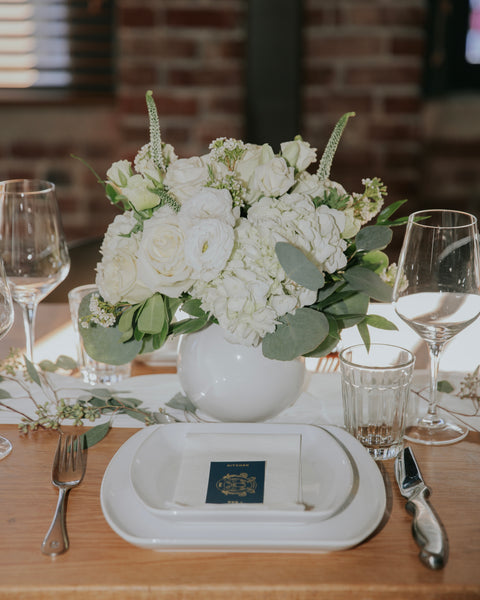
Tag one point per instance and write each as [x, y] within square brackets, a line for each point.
[243, 237]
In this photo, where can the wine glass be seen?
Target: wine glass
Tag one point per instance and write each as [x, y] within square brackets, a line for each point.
[33, 246]
[6, 322]
[437, 294]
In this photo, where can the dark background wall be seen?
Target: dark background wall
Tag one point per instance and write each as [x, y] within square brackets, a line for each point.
[199, 58]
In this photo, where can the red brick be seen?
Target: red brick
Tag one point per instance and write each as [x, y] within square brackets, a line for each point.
[344, 45]
[165, 46]
[136, 17]
[383, 75]
[320, 75]
[408, 46]
[167, 104]
[213, 49]
[203, 17]
[28, 149]
[403, 104]
[392, 131]
[205, 76]
[336, 103]
[138, 75]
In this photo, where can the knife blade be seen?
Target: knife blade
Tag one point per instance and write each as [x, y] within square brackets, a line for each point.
[427, 529]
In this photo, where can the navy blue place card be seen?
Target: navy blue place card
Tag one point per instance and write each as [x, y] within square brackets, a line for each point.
[236, 482]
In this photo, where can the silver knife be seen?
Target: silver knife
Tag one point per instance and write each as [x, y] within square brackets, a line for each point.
[427, 528]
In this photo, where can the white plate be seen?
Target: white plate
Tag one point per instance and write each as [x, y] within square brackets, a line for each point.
[129, 518]
[326, 472]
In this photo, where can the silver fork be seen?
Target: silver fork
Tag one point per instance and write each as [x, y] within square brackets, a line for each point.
[68, 469]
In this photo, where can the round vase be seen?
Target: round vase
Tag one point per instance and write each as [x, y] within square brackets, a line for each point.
[235, 383]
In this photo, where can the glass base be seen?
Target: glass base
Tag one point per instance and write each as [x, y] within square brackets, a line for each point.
[441, 433]
[5, 447]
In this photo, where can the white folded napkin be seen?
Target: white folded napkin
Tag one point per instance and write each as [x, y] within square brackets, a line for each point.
[225, 471]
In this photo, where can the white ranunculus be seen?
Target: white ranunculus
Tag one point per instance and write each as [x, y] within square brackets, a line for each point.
[139, 194]
[298, 154]
[186, 176]
[208, 246]
[251, 159]
[161, 254]
[120, 172]
[209, 203]
[273, 178]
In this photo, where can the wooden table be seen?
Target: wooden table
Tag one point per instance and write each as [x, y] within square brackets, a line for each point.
[101, 565]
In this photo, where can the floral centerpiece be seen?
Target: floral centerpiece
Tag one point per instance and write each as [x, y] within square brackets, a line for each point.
[259, 242]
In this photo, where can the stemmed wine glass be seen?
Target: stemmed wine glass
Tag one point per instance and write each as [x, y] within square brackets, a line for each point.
[6, 322]
[34, 249]
[437, 293]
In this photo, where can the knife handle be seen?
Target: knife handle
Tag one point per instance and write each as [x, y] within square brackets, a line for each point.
[428, 531]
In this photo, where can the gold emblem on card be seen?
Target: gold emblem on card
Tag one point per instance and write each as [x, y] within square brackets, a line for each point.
[237, 484]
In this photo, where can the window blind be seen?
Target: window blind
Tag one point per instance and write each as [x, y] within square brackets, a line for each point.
[57, 45]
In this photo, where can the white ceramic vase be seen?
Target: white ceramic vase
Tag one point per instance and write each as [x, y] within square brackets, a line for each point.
[231, 382]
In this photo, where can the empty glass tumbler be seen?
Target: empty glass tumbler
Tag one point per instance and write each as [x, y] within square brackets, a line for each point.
[375, 389]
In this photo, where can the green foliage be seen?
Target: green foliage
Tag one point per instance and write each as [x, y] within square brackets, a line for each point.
[373, 237]
[90, 405]
[297, 334]
[298, 267]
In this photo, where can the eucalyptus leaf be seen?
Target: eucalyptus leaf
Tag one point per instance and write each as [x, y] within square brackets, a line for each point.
[373, 237]
[375, 260]
[188, 326]
[66, 363]
[152, 316]
[329, 343]
[32, 371]
[445, 387]
[349, 311]
[95, 434]
[103, 343]
[368, 282]
[364, 333]
[125, 323]
[4, 394]
[328, 290]
[298, 267]
[47, 366]
[102, 393]
[380, 322]
[296, 335]
[181, 402]
[193, 307]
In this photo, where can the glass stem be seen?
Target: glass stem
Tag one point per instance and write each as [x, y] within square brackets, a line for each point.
[432, 419]
[29, 312]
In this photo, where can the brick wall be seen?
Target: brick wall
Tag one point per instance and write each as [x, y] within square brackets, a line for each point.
[358, 55]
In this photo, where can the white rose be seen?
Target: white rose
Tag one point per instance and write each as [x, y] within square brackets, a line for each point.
[298, 154]
[208, 203]
[117, 278]
[208, 246]
[186, 176]
[120, 172]
[138, 193]
[161, 254]
[273, 178]
[117, 274]
[251, 159]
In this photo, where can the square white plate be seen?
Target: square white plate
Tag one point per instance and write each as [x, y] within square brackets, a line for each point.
[355, 521]
[326, 473]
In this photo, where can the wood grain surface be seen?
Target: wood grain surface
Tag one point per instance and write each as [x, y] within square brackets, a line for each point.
[102, 565]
